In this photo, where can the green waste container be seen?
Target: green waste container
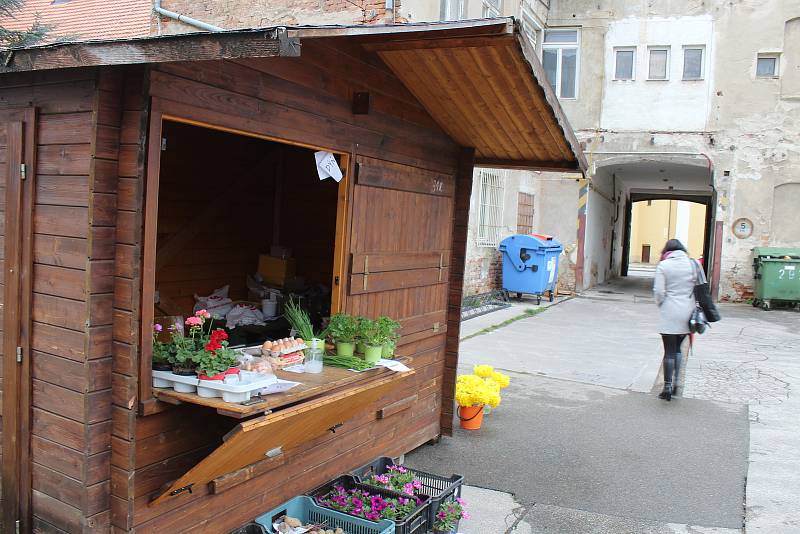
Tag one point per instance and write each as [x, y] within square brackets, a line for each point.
[777, 275]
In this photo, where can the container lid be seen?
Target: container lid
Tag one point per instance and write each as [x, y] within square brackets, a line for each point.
[776, 252]
[530, 242]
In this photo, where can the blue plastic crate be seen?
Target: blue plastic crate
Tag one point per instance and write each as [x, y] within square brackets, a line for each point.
[440, 489]
[306, 510]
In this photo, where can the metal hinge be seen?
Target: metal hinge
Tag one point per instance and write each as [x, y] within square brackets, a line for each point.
[23, 171]
[436, 328]
[188, 488]
[19, 354]
[366, 271]
[16, 526]
[163, 144]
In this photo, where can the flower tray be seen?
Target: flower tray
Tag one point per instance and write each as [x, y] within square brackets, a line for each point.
[307, 511]
[249, 384]
[414, 523]
[441, 489]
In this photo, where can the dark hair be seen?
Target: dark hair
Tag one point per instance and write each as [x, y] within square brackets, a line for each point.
[672, 245]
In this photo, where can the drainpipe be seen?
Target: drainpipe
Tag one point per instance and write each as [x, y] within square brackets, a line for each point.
[183, 18]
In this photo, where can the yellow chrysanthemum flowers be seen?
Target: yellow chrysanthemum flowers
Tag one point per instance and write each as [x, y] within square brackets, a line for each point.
[480, 388]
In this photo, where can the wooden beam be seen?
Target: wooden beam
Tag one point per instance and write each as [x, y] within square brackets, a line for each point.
[532, 165]
[195, 47]
[452, 42]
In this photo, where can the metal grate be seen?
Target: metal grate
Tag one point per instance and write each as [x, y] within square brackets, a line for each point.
[483, 303]
[525, 214]
[490, 215]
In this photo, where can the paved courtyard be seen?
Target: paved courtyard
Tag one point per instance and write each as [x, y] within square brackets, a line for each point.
[582, 445]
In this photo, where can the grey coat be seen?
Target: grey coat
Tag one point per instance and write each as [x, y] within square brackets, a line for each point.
[674, 292]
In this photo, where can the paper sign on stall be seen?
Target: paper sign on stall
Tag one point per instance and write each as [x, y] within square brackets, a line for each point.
[278, 387]
[327, 166]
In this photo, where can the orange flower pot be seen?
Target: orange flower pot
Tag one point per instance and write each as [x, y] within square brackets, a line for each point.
[471, 417]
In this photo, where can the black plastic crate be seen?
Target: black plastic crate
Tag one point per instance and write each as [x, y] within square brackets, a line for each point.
[414, 523]
[250, 528]
[441, 489]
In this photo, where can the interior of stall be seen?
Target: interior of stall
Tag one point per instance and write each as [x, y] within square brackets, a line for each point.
[244, 224]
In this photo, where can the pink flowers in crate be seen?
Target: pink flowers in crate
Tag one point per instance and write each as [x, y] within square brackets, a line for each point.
[449, 514]
[362, 503]
[396, 478]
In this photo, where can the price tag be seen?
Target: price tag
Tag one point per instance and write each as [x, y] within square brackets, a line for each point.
[327, 166]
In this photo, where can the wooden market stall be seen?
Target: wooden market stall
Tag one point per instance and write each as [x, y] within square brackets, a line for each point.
[139, 173]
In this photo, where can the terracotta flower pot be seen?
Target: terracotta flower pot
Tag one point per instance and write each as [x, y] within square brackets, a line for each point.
[470, 417]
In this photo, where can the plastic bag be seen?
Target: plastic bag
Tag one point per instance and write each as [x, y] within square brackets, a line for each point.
[217, 303]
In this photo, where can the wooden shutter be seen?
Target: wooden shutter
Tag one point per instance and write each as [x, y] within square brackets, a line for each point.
[17, 147]
[400, 245]
[275, 434]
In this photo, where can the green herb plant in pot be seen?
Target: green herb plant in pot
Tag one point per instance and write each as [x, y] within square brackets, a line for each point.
[373, 338]
[361, 347]
[343, 329]
[389, 330]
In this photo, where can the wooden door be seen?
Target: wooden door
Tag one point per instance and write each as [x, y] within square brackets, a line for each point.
[645, 253]
[399, 249]
[17, 142]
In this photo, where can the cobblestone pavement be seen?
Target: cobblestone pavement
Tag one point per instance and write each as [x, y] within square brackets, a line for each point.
[753, 357]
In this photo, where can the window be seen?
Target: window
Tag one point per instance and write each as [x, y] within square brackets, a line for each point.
[560, 60]
[525, 214]
[452, 10]
[693, 62]
[624, 63]
[658, 63]
[767, 66]
[492, 8]
[490, 214]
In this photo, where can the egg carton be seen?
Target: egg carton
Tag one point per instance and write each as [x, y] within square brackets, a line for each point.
[256, 350]
[241, 391]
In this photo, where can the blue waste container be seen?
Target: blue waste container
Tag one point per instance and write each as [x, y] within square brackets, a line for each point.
[530, 265]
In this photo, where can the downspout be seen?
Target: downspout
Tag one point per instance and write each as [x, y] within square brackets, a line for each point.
[183, 18]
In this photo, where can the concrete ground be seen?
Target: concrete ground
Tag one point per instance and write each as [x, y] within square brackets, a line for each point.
[580, 445]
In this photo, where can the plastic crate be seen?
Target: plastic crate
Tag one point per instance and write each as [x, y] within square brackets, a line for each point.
[414, 523]
[307, 511]
[249, 528]
[438, 487]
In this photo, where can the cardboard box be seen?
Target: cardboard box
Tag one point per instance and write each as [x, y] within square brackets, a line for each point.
[276, 271]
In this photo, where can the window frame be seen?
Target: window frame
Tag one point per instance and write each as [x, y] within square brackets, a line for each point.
[491, 8]
[668, 50]
[703, 56]
[776, 72]
[490, 224]
[559, 47]
[525, 220]
[162, 111]
[617, 50]
[445, 7]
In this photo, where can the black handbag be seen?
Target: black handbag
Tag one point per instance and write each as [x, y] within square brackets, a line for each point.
[697, 322]
[702, 294]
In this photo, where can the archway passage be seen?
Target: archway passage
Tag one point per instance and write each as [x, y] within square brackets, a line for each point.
[679, 184]
[655, 220]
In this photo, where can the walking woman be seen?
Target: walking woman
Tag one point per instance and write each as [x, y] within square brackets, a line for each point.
[674, 294]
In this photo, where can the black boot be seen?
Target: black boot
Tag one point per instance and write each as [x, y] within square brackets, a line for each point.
[669, 372]
[676, 376]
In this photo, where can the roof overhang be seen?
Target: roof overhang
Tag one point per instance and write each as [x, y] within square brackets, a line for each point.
[480, 80]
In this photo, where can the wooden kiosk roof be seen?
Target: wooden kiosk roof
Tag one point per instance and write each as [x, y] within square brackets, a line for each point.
[479, 79]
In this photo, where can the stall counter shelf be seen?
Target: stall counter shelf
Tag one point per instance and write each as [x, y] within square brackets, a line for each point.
[331, 379]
